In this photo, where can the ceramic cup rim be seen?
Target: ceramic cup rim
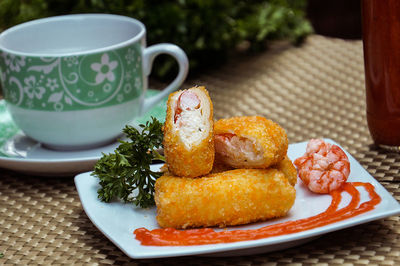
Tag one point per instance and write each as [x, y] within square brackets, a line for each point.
[38, 22]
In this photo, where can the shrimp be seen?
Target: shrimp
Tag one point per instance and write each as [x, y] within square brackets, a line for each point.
[187, 101]
[324, 167]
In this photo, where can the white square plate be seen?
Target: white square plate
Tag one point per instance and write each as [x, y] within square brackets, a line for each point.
[117, 221]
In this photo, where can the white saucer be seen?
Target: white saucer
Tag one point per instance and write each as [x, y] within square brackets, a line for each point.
[22, 154]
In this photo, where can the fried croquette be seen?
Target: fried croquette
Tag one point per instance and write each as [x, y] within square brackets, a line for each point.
[288, 169]
[249, 142]
[188, 133]
[228, 198]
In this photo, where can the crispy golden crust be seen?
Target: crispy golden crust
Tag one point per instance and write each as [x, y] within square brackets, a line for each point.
[233, 197]
[185, 162]
[288, 169]
[268, 138]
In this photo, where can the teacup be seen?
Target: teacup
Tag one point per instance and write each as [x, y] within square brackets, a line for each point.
[74, 81]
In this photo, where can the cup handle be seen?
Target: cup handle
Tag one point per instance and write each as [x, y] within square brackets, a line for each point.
[148, 57]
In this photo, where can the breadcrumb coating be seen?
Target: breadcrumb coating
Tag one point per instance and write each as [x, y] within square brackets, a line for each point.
[228, 198]
[249, 142]
[196, 160]
[288, 169]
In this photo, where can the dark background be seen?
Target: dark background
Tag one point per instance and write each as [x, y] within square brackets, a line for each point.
[336, 18]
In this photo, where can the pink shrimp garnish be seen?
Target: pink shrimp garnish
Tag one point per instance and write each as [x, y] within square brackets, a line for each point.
[186, 101]
[324, 167]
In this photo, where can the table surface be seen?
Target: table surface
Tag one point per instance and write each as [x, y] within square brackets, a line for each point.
[315, 90]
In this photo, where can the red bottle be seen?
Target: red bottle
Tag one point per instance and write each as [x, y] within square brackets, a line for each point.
[381, 39]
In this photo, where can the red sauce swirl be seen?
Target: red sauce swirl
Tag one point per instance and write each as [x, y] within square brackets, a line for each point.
[203, 236]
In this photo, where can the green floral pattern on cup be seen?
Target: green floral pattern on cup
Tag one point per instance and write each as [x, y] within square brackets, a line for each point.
[8, 129]
[72, 82]
[7, 126]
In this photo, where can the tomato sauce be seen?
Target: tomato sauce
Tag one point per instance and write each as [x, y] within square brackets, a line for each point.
[203, 236]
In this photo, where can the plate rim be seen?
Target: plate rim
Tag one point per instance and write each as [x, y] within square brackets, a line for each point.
[249, 244]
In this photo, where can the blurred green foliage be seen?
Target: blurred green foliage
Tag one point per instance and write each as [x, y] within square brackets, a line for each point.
[208, 30]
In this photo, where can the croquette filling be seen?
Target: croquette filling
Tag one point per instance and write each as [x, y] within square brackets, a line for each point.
[191, 118]
[238, 150]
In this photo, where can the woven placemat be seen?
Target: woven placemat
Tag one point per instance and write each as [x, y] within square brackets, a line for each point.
[315, 90]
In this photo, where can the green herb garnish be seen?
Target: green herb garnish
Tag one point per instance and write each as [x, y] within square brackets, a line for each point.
[128, 168]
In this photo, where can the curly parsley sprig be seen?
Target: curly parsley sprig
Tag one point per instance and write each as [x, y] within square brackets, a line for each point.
[128, 168]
